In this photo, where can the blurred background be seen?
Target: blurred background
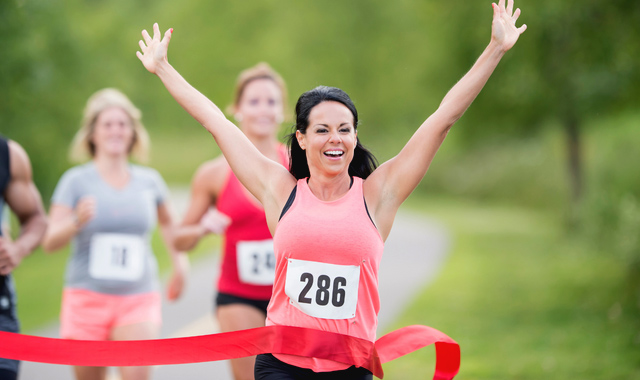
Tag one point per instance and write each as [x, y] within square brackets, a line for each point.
[538, 182]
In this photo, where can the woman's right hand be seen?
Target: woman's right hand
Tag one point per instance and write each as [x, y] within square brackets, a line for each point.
[85, 211]
[154, 50]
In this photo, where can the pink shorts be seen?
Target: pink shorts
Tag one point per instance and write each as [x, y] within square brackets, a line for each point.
[88, 315]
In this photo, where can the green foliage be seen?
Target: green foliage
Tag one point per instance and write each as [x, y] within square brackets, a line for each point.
[40, 62]
[610, 214]
[525, 171]
[576, 60]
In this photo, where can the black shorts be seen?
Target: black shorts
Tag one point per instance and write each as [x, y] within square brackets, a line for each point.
[6, 374]
[9, 323]
[268, 367]
[229, 299]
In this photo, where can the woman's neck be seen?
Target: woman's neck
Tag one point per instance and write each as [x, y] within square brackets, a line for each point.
[329, 188]
[114, 170]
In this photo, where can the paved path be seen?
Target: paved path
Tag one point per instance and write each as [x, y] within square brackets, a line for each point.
[413, 254]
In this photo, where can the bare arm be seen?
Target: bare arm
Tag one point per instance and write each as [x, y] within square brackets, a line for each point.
[24, 200]
[66, 222]
[205, 189]
[394, 181]
[179, 260]
[261, 176]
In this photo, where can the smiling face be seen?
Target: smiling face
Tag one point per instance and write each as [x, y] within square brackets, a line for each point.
[330, 139]
[260, 110]
[113, 133]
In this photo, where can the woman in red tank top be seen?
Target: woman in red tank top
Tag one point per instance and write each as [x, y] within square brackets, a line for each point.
[248, 263]
[332, 184]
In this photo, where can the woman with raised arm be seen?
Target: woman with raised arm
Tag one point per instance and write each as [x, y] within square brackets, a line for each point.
[331, 213]
[248, 263]
[108, 208]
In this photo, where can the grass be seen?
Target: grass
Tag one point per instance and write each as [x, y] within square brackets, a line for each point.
[523, 301]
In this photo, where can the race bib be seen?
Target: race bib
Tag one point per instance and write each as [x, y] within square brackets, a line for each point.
[256, 262]
[116, 257]
[322, 290]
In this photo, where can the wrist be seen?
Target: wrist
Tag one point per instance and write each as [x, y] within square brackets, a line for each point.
[495, 48]
[21, 250]
[163, 67]
[180, 261]
[75, 221]
[497, 45]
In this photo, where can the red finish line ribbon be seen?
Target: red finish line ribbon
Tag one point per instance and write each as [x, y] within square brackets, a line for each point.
[231, 345]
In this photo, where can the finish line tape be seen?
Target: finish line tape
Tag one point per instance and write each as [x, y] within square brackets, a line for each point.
[231, 345]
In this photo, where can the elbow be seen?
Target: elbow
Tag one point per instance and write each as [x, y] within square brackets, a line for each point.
[445, 131]
[185, 238]
[50, 244]
[182, 244]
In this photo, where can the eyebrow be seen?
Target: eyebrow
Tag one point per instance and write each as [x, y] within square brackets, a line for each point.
[327, 126]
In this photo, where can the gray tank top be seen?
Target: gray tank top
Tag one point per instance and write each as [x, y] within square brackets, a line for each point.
[112, 253]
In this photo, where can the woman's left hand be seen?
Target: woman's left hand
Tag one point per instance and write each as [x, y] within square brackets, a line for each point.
[177, 282]
[503, 29]
[154, 49]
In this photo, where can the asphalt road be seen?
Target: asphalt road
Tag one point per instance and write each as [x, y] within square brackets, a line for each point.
[413, 255]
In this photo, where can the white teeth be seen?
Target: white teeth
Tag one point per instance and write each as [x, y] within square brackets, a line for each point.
[334, 153]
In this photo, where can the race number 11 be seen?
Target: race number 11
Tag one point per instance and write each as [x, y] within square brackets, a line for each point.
[116, 257]
[322, 290]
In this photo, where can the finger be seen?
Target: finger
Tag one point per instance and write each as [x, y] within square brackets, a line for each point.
[139, 55]
[501, 5]
[522, 28]
[142, 45]
[167, 37]
[156, 31]
[496, 10]
[516, 14]
[510, 7]
[146, 36]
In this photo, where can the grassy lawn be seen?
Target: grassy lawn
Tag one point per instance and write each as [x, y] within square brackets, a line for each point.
[523, 301]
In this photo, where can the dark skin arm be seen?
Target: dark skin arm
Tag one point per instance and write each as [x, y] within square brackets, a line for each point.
[24, 200]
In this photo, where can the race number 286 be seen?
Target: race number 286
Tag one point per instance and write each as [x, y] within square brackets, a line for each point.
[323, 290]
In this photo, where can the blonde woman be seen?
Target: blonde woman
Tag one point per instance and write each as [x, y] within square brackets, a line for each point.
[248, 264]
[108, 208]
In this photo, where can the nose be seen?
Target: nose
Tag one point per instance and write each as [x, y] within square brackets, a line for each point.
[334, 137]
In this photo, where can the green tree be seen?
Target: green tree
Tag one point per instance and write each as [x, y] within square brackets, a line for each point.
[577, 60]
[38, 73]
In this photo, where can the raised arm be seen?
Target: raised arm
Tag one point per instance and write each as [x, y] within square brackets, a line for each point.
[261, 176]
[394, 180]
